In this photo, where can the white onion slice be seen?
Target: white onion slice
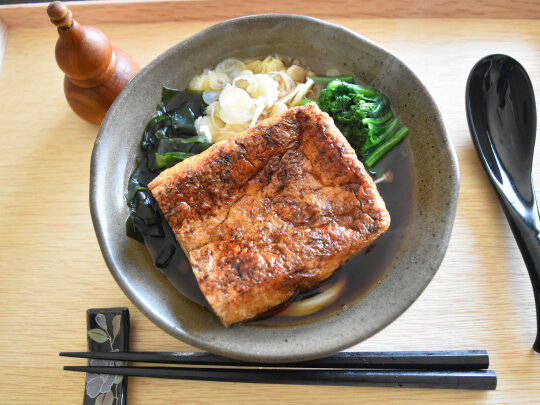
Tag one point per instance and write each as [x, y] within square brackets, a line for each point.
[260, 104]
[267, 88]
[242, 93]
[302, 91]
[201, 125]
[218, 81]
[278, 108]
[236, 105]
[332, 72]
[209, 96]
[231, 67]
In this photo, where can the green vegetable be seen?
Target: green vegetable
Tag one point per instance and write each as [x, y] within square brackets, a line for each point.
[328, 79]
[170, 159]
[364, 116]
[304, 101]
[134, 190]
[386, 146]
[168, 138]
[170, 131]
[378, 133]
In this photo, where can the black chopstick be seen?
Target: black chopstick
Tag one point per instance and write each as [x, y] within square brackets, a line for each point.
[423, 360]
[465, 369]
[473, 380]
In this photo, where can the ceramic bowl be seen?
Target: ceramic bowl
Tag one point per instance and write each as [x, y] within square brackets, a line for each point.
[424, 234]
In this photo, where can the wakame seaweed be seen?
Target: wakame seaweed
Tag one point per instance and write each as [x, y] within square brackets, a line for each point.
[168, 138]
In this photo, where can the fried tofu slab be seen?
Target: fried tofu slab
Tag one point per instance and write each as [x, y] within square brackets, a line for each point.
[270, 212]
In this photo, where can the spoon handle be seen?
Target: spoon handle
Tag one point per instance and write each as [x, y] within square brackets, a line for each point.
[524, 223]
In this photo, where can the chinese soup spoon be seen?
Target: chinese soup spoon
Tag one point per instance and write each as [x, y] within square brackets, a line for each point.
[501, 114]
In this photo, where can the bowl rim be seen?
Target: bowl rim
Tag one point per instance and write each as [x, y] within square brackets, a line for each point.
[181, 334]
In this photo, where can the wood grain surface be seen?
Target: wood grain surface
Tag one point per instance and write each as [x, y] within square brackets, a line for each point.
[52, 269]
[31, 15]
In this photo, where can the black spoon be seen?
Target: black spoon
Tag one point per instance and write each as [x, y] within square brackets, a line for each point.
[502, 120]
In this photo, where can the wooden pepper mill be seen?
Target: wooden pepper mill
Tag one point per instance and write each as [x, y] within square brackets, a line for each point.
[95, 71]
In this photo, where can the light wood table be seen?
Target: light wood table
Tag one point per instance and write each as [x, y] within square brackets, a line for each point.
[52, 269]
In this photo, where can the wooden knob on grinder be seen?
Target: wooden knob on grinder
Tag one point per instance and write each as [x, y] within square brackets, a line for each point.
[59, 14]
[95, 72]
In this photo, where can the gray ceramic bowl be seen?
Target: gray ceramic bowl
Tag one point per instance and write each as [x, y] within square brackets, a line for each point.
[433, 191]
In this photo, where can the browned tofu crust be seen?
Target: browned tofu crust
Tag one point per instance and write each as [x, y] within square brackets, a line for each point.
[273, 211]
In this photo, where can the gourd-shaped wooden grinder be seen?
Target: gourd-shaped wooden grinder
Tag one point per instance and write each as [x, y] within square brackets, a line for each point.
[95, 71]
